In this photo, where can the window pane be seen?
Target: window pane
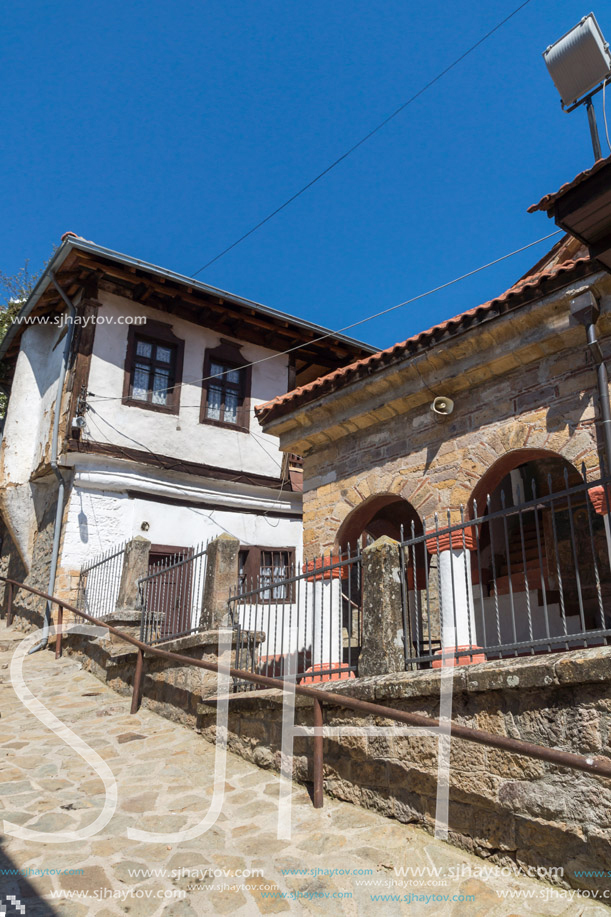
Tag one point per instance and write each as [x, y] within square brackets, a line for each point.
[231, 407]
[164, 354]
[265, 580]
[161, 381]
[141, 381]
[144, 349]
[215, 400]
[216, 369]
[233, 376]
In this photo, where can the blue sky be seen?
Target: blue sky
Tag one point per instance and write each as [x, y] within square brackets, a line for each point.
[165, 130]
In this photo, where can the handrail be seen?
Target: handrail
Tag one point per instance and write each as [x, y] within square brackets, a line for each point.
[599, 766]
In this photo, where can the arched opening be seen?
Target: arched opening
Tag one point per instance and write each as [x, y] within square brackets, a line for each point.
[383, 514]
[395, 517]
[540, 564]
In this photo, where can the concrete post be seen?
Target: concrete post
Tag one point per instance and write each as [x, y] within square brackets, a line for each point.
[135, 565]
[382, 647]
[221, 577]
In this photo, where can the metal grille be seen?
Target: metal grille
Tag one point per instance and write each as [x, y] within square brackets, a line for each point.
[99, 582]
[532, 577]
[308, 622]
[171, 595]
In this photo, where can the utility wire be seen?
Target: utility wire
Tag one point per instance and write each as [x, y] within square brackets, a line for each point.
[362, 321]
[364, 139]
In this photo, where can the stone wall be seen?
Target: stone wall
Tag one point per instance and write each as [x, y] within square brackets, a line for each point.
[31, 607]
[503, 807]
[436, 463]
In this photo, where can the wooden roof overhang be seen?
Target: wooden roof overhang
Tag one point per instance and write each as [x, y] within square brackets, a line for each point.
[583, 209]
[87, 268]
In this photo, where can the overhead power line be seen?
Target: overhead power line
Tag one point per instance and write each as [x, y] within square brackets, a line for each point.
[361, 321]
[364, 139]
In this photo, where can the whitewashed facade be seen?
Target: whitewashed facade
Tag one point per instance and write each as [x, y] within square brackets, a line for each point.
[157, 433]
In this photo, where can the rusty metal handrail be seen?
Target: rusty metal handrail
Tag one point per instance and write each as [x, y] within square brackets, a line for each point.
[599, 766]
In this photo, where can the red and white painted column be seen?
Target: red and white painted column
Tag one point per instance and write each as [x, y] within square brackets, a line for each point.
[600, 498]
[456, 607]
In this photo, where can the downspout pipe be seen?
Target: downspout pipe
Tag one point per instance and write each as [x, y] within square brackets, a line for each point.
[61, 489]
[586, 310]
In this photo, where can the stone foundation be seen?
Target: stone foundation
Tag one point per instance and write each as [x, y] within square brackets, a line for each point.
[503, 807]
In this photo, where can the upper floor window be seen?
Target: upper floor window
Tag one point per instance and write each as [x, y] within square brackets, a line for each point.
[226, 387]
[225, 392]
[153, 368]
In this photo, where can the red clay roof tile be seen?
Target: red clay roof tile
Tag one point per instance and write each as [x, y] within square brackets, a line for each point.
[524, 290]
[548, 200]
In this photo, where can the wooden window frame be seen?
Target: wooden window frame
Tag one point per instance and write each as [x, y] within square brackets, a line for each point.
[153, 333]
[229, 354]
[252, 571]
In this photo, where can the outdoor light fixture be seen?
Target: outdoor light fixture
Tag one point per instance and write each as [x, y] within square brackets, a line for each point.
[579, 63]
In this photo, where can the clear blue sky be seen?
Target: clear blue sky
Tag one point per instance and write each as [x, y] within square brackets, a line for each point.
[165, 130]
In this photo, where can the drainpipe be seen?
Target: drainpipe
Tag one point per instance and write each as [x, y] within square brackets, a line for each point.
[55, 467]
[586, 310]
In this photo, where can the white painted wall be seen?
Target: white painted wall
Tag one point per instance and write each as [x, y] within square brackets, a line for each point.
[98, 519]
[179, 435]
[30, 411]
[27, 431]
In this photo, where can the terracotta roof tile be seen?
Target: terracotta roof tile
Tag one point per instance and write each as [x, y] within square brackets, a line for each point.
[524, 290]
[548, 200]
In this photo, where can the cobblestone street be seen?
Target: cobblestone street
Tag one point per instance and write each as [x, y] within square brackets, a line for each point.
[164, 775]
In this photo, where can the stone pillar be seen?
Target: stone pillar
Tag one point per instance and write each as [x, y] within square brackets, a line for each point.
[382, 646]
[456, 609]
[221, 577]
[135, 565]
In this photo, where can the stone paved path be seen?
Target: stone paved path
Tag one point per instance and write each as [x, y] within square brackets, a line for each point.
[164, 777]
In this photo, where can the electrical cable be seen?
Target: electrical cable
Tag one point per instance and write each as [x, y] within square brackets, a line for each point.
[330, 334]
[364, 139]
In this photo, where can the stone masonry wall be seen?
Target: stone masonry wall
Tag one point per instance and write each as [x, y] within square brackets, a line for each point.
[435, 463]
[504, 807]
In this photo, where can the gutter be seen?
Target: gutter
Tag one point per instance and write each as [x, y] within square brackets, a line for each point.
[61, 489]
[73, 242]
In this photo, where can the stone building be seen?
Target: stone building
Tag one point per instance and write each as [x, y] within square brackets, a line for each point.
[463, 420]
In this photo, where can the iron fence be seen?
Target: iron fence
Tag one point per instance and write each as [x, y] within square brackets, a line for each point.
[519, 578]
[307, 622]
[99, 582]
[171, 595]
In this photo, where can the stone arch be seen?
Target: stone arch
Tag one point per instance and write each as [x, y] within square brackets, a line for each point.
[511, 461]
[379, 514]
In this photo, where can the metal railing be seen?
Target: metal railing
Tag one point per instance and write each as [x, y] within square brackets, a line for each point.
[308, 622]
[600, 766]
[99, 581]
[519, 578]
[171, 595]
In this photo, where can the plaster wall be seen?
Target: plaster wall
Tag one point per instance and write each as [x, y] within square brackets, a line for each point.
[98, 519]
[26, 442]
[180, 435]
[30, 411]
